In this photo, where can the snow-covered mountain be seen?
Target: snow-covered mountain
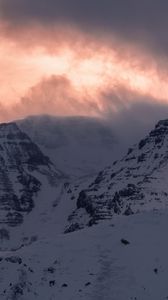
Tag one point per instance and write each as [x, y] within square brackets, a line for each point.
[79, 146]
[27, 177]
[138, 182]
[123, 257]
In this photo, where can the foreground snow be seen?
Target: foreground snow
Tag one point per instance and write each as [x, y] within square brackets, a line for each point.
[93, 264]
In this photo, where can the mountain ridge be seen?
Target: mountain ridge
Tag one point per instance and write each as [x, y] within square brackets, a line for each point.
[135, 183]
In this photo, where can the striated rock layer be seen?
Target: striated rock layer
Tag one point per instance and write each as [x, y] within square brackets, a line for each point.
[22, 166]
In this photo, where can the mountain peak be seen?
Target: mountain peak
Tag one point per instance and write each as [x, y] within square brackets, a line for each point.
[8, 127]
[11, 131]
[162, 123]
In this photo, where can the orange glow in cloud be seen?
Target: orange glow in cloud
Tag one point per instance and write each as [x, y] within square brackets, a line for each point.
[100, 69]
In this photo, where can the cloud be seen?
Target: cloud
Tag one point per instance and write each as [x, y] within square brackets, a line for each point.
[119, 106]
[57, 95]
[143, 22]
[88, 64]
[131, 115]
[54, 95]
[135, 31]
[120, 45]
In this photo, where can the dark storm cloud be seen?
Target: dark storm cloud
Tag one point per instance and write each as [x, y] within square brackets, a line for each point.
[145, 21]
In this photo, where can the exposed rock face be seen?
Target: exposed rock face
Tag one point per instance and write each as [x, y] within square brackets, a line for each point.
[22, 165]
[135, 183]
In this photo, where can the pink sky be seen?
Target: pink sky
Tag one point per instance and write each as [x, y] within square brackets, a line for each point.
[89, 66]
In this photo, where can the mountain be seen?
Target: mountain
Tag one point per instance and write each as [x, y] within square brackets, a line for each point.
[27, 177]
[138, 182]
[123, 257]
[79, 146]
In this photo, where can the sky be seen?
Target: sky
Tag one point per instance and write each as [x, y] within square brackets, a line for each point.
[105, 58]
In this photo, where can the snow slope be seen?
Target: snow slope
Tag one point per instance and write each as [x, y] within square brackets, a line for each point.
[92, 264]
[29, 185]
[138, 182]
[79, 146]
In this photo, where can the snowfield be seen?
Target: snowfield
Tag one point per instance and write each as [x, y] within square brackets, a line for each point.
[93, 263]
